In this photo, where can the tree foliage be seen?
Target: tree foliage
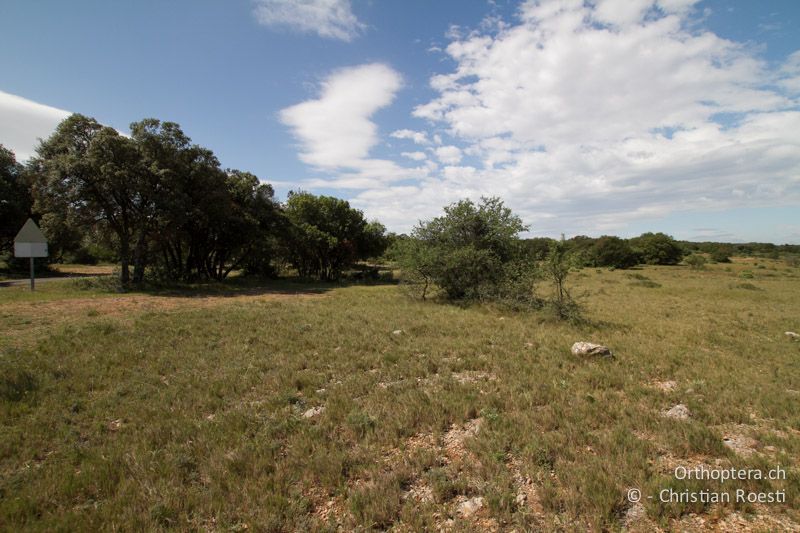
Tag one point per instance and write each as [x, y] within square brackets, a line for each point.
[608, 251]
[473, 252]
[166, 201]
[657, 249]
[15, 201]
[326, 235]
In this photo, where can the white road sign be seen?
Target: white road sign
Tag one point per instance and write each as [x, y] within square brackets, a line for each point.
[30, 241]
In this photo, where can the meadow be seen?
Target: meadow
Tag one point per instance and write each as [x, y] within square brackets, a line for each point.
[280, 406]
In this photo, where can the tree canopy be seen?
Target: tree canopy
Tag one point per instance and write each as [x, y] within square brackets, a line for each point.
[15, 201]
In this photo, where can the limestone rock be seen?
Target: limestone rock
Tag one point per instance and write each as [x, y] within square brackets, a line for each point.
[471, 506]
[585, 349]
[679, 412]
[314, 411]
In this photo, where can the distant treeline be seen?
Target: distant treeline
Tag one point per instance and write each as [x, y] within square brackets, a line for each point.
[653, 249]
[159, 205]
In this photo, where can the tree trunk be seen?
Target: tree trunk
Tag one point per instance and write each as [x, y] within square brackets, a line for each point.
[139, 259]
[125, 259]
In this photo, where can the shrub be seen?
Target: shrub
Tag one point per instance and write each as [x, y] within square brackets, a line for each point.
[557, 266]
[473, 252]
[658, 249]
[722, 254]
[613, 252]
[696, 261]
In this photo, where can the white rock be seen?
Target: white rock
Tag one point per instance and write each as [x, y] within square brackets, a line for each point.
[397, 332]
[792, 335]
[587, 348]
[314, 411]
[679, 412]
[471, 506]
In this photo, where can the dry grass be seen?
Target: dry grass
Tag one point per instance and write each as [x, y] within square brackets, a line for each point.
[150, 411]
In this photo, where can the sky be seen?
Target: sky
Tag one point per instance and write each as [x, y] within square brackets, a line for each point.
[587, 117]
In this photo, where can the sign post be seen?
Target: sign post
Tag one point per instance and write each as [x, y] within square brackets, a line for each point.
[30, 242]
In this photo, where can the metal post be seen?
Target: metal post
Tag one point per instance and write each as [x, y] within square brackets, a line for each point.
[32, 283]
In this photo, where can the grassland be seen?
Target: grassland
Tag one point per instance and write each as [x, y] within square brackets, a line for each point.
[288, 407]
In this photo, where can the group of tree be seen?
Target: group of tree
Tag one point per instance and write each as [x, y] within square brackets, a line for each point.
[158, 203]
[615, 252]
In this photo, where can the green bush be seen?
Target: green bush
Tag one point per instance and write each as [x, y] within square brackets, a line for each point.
[472, 253]
[722, 254]
[613, 252]
[696, 261]
[657, 249]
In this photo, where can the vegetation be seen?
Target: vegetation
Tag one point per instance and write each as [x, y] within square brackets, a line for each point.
[15, 203]
[657, 249]
[327, 235]
[158, 204]
[696, 261]
[472, 253]
[297, 407]
[608, 251]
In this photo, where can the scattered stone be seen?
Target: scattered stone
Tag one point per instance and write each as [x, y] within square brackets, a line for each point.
[792, 335]
[419, 492]
[741, 444]
[585, 349]
[635, 514]
[455, 438]
[470, 507]
[397, 332]
[678, 412]
[314, 411]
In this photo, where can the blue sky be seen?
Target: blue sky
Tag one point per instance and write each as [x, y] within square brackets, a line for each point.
[609, 116]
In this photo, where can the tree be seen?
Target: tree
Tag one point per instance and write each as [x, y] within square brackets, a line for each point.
[614, 252]
[557, 265]
[87, 174]
[473, 252]
[657, 249]
[417, 261]
[722, 253]
[326, 235]
[15, 200]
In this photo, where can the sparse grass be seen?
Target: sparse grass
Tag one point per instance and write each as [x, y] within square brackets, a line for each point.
[184, 408]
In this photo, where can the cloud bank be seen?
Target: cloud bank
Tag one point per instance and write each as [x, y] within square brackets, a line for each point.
[585, 117]
[23, 121]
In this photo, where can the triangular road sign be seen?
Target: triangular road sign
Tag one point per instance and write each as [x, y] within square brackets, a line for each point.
[30, 234]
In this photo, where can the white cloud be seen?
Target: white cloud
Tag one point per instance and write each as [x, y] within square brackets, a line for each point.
[587, 117]
[333, 19]
[335, 129]
[418, 137]
[449, 155]
[336, 132]
[23, 122]
[416, 156]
